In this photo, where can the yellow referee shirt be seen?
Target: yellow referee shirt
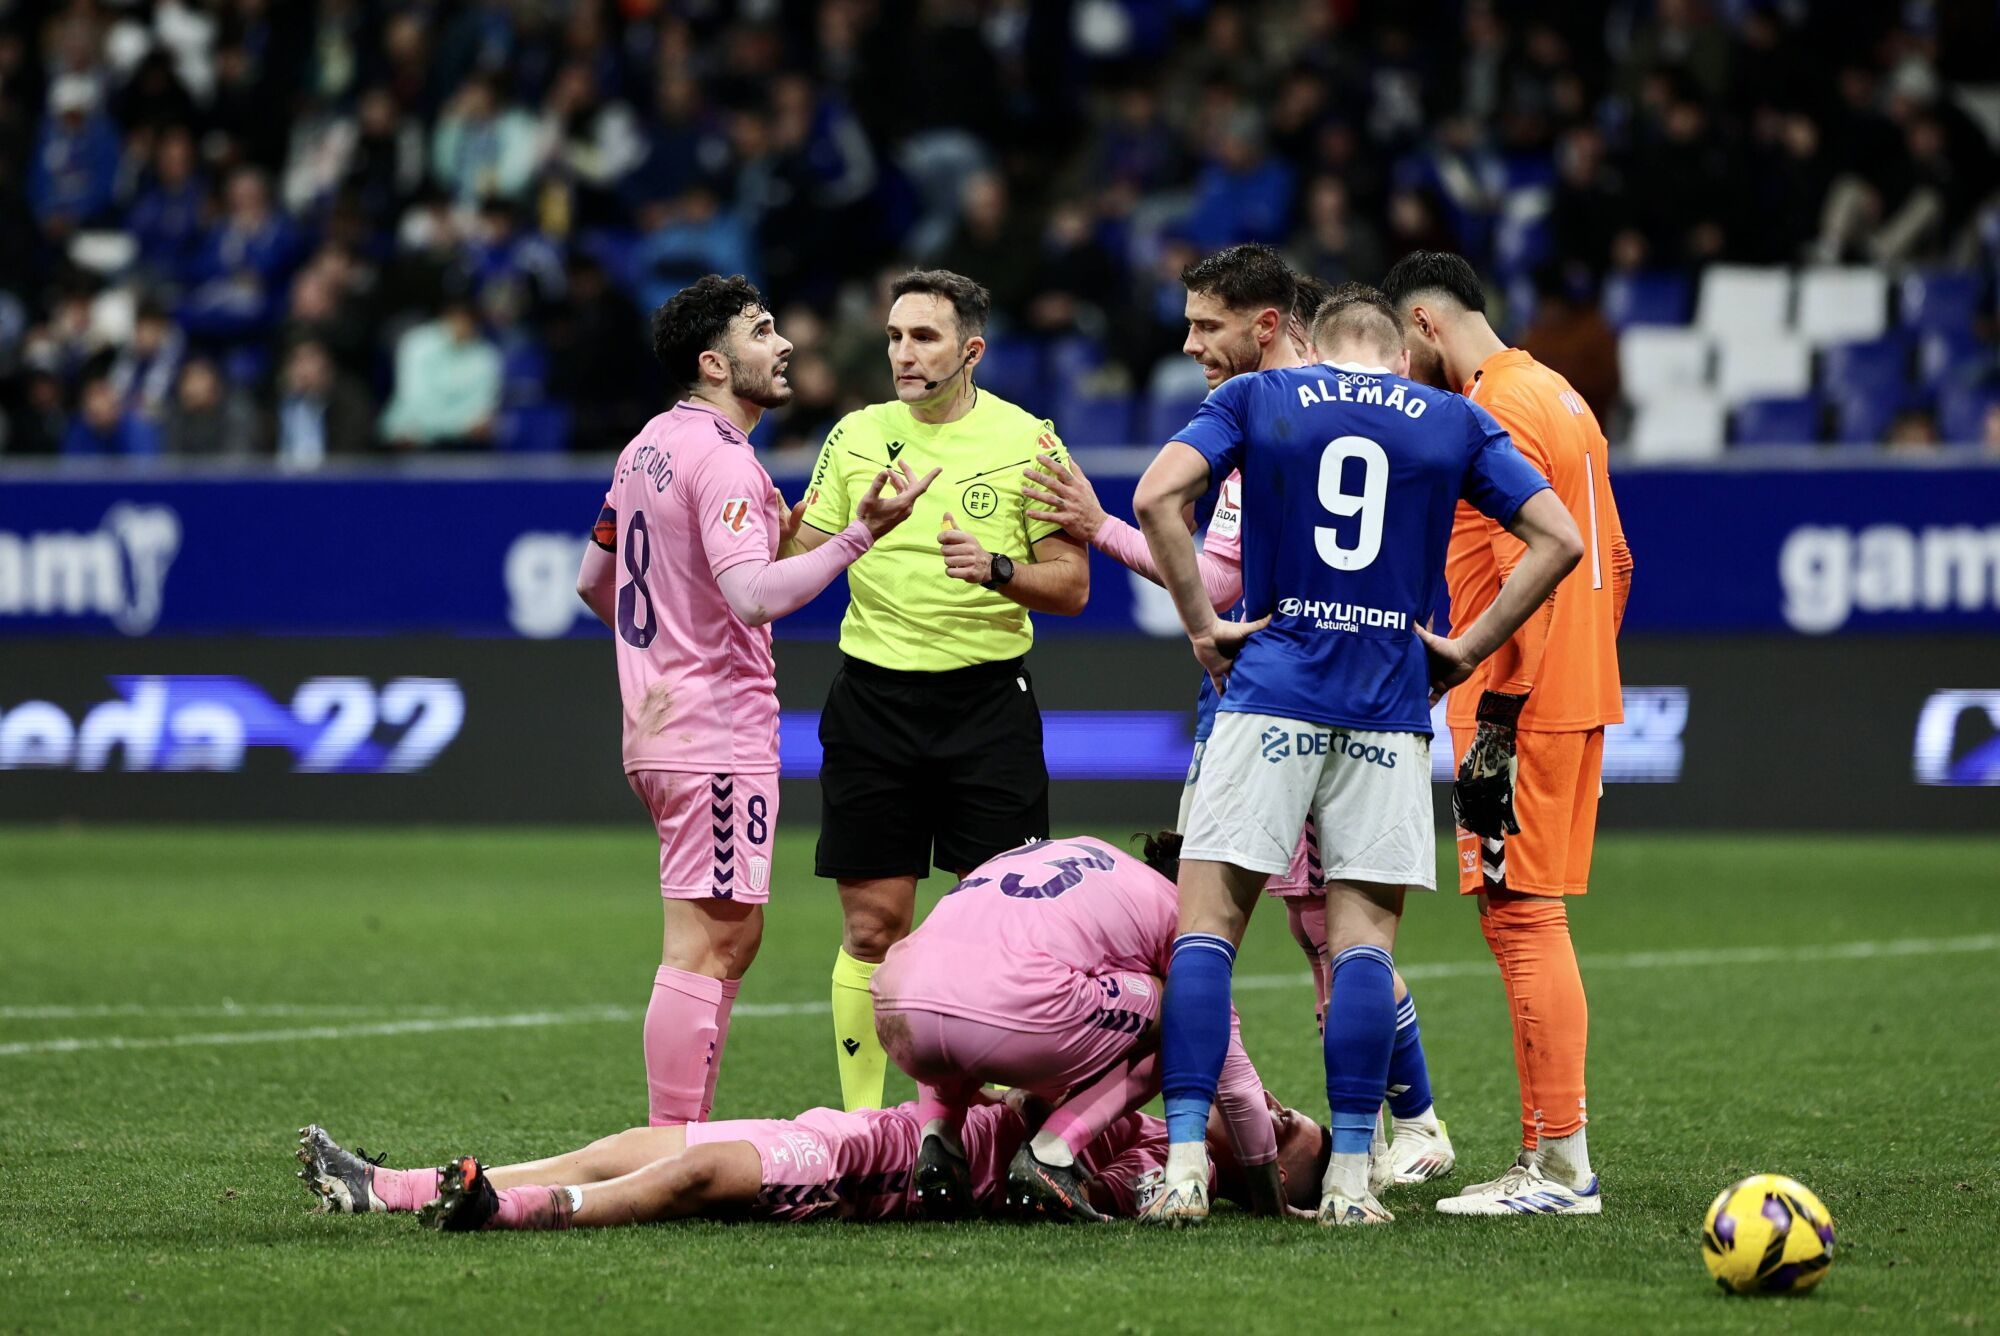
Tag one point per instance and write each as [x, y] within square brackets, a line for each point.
[903, 611]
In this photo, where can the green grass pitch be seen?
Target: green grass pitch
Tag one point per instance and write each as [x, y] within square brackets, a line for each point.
[173, 1004]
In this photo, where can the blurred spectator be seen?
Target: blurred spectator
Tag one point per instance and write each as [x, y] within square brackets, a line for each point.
[447, 388]
[1944, 172]
[1076, 281]
[684, 140]
[589, 144]
[1590, 206]
[687, 238]
[482, 145]
[153, 98]
[1572, 337]
[102, 426]
[385, 169]
[167, 218]
[209, 418]
[324, 311]
[321, 411]
[243, 264]
[1913, 433]
[144, 372]
[1334, 244]
[499, 250]
[1242, 194]
[75, 171]
[1989, 430]
[598, 360]
[992, 244]
[35, 422]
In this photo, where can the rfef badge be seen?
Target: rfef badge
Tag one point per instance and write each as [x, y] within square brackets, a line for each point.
[980, 500]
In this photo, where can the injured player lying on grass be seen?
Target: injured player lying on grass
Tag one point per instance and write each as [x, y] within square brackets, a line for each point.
[824, 1164]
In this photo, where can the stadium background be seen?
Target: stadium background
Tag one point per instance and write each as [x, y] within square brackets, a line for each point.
[319, 323]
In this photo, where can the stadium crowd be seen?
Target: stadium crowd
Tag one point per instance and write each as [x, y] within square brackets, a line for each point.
[273, 227]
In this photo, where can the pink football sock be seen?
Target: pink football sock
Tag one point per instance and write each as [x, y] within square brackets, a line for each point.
[532, 1207]
[1092, 1108]
[730, 987]
[681, 1044]
[1309, 931]
[406, 1189]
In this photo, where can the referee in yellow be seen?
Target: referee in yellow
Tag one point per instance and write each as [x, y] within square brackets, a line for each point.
[931, 736]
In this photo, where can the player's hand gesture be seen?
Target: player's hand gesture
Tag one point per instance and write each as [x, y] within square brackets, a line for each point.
[1064, 496]
[882, 513]
[789, 518]
[1450, 662]
[1216, 649]
[964, 558]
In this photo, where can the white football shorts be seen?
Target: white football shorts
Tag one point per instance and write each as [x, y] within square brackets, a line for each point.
[1260, 775]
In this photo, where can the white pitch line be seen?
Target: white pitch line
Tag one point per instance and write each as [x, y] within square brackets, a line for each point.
[1895, 948]
[219, 1011]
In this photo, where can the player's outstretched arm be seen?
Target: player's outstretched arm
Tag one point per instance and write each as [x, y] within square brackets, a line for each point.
[761, 591]
[1063, 495]
[1173, 482]
[1554, 548]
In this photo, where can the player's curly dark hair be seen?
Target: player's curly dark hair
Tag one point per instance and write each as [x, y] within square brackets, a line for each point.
[695, 320]
[1248, 277]
[970, 303]
[1434, 271]
[1161, 852]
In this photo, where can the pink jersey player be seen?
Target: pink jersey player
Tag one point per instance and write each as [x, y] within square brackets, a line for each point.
[684, 567]
[1041, 970]
[821, 1165]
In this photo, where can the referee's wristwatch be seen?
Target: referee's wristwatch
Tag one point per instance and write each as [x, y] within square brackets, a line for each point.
[1003, 571]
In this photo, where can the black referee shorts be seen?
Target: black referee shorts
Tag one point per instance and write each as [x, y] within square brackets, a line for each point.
[923, 768]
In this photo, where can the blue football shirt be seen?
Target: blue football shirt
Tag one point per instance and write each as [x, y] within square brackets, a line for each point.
[1350, 478]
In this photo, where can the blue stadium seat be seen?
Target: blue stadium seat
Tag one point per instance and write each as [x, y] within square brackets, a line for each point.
[1165, 417]
[539, 429]
[1861, 416]
[1790, 421]
[1012, 369]
[1879, 366]
[1961, 410]
[1651, 297]
[1947, 355]
[1940, 300]
[1094, 419]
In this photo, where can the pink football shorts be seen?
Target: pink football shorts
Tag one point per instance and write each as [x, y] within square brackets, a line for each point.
[715, 832]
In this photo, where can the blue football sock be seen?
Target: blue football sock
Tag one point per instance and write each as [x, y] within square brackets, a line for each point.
[1194, 1031]
[1360, 1032]
[1409, 1074]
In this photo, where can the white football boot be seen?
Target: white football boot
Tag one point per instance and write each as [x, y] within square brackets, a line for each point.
[1421, 1151]
[1182, 1203]
[1337, 1209]
[1525, 1190]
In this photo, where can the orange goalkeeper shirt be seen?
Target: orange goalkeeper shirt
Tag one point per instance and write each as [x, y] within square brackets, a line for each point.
[1566, 655]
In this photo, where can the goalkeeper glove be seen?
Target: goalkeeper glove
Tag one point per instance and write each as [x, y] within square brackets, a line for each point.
[1482, 801]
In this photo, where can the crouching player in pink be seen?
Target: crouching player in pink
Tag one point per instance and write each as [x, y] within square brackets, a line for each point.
[824, 1164]
[684, 567]
[1041, 970]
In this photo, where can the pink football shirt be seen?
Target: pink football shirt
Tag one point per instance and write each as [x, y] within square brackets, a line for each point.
[1224, 538]
[1026, 923]
[688, 501]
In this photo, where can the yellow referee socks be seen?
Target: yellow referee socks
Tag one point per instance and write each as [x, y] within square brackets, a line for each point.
[858, 1053]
